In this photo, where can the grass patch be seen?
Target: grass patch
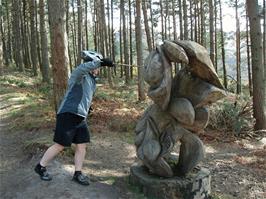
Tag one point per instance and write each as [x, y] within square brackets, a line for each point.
[25, 102]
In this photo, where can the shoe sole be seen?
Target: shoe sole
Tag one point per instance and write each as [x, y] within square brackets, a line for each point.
[44, 179]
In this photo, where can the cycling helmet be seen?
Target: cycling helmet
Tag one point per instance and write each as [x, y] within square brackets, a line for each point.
[88, 55]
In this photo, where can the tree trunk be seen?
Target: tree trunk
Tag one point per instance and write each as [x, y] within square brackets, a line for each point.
[147, 28]
[257, 65]
[86, 26]
[139, 51]
[152, 29]
[174, 19]
[74, 39]
[264, 40]
[238, 70]
[166, 16]
[196, 23]
[105, 41]
[39, 59]
[191, 20]
[162, 19]
[44, 44]
[9, 48]
[80, 28]
[1, 49]
[181, 20]
[130, 39]
[25, 35]
[68, 34]
[121, 46]
[212, 53]
[248, 55]
[59, 54]
[185, 18]
[17, 35]
[33, 44]
[202, 22]
[222, 46]
[215, 37]
[126, 56]
[112, 32]
[4, 46]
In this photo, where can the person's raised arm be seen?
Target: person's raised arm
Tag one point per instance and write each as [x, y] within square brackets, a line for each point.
[86, 67]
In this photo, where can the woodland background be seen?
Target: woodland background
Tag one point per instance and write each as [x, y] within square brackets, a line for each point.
[40, 41]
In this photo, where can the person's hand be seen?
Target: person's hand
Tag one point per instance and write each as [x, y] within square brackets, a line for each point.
[107, 62]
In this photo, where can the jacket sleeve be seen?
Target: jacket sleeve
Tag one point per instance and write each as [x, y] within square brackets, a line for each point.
[84, 68]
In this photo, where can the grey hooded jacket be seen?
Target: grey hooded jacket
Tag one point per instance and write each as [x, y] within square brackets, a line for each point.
[81, 87]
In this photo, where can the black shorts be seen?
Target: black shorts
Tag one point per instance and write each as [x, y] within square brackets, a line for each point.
[71, 128]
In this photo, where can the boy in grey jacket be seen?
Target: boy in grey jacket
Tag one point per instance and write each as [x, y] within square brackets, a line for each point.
[71, 124]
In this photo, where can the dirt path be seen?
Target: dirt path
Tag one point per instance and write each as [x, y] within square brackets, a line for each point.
[19, 181]
[107, 163]
[238, 169]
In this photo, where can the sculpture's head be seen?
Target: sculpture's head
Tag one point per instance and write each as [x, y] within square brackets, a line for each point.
[153, 69]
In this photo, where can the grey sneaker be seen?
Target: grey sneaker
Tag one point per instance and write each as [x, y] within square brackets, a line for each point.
[81, 179]
[44, 175]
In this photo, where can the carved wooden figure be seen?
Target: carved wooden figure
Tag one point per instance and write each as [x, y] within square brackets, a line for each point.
[180, 107]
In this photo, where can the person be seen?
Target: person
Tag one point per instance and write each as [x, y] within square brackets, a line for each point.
[71, 124]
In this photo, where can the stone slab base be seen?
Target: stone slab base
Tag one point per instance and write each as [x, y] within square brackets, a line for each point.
[196, 185]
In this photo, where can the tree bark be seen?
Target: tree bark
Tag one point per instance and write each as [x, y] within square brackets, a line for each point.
[33, 44]
[185, 18]
[248, 55]
[86, 26]
[17, 35]
[191, 20]
[1, 49]
[147, 28]
[202, 22]
[212, 53]
[257, 65]
[74, 38]
[181, 20]
[112, 32]
[139, 51]
[44, 44]
[174, 19]
[222, 47]
[80, 31]
[126, 56]
[9, 46]
[152, 29]
[238, 70]
[264, 41]
[130, 39]
[25, 35]
[37, 32]
[68, 34]
[59, 54]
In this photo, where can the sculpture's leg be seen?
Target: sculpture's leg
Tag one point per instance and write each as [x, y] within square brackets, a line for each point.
[191, 152]
[159, 167]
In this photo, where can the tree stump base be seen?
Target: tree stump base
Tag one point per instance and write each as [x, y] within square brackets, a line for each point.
[195, 185]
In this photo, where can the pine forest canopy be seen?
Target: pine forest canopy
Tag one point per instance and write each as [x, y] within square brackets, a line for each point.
[46, 36]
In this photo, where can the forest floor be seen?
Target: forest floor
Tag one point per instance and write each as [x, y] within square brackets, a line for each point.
[238, 166]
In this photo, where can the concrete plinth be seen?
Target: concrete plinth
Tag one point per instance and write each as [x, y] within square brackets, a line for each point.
[196, 185]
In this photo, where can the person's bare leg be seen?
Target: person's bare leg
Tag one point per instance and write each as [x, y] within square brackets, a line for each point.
[79, 156]
[51, 152]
